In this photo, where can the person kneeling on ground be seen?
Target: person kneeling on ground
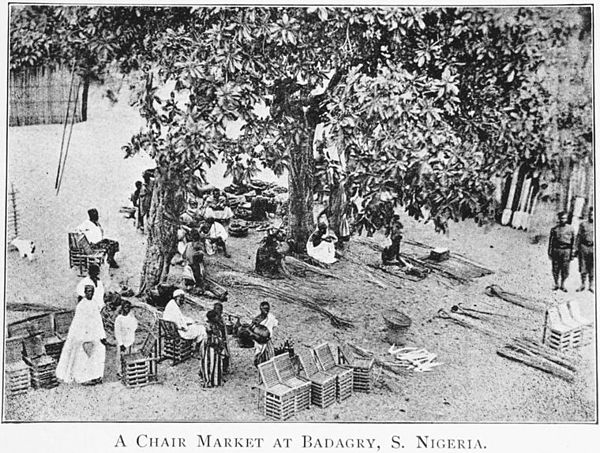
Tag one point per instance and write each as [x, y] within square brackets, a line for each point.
[188, 328]
[321, 245]
[95, 235]
[215, 236]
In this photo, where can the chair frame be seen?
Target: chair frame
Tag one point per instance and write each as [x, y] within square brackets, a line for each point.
[41, 366]
[287, 376]
[559, 335]
[141, 368]
[81, 253]
[362, 368]
[344, 374]
[171, 345]
[16, 373]
[323, 385]
[278, 400]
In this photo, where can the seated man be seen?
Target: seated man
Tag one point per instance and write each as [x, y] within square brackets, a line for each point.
[219, 210]
[321, 245]
[269, 259]
[188, 328]
[95, 235]
[215, 235]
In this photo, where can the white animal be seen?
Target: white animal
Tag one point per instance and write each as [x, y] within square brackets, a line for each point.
[26, 248]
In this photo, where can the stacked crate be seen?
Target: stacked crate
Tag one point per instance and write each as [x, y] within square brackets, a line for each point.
[287, 376]
[323, 385]
[171, 345]
[362, 369]
[140, 368]
[16, 374]
[344, 375]
[41, 366]
[278, 399]
[561, 332]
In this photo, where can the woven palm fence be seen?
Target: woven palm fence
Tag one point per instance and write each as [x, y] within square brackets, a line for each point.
[41, 96]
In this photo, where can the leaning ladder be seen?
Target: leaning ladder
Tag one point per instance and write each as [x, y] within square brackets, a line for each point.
[12, 227]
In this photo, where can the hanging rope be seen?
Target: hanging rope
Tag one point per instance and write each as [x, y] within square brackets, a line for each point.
[64, 163]
[62, 142]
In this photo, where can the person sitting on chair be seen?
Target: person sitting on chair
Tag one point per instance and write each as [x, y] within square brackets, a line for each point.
[215, 235]
[187, 327]
[95, 235]
[321, 245]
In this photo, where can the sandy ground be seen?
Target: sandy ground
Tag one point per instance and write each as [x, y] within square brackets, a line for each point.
[473, 384]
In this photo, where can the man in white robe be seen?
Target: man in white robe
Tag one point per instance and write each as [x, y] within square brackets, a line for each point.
[83, 355]
[93, 279]
[188, 328]
[264, 351]
[321, 245]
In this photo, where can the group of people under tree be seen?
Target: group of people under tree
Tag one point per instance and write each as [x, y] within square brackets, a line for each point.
[84, 353]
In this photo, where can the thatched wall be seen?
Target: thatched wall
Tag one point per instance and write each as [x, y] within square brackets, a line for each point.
[41, 95]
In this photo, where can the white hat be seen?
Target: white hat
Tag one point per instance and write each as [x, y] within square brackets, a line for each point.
[178, 292]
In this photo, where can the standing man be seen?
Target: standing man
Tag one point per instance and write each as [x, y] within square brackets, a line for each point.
[560, 251]
[145, 199]
[95, 235]
[584, 247]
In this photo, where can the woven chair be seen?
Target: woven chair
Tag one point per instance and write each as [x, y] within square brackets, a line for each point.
[287, 376]
[278, 400]
[323, 385]
[17, 377]
[344, 375]
[362, 368]
[41, 366]
[62, 322]
[141, 368]
[81, 253]
[559, 335]
[171, 345]
[44, 325]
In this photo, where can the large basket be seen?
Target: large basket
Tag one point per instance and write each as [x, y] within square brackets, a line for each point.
[397, 325]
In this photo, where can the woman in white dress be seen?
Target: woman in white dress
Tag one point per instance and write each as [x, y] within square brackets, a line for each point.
[321, 245]
[83, 355]
[93, 279]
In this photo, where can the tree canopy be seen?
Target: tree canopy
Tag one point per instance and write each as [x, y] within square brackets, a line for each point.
[427, 104]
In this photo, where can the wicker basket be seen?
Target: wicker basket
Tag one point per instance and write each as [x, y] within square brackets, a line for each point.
[397, 324]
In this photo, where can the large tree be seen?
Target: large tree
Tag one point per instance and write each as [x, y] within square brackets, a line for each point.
[426, 104]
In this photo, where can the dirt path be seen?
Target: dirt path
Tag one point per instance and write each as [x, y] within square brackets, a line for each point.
[473, 384]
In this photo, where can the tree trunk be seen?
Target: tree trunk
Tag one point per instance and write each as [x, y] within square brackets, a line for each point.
[162, 237]
[301, 171]
[337, 205]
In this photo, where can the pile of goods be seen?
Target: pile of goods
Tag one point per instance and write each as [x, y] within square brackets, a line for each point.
[536, 355]
[415, 359]
[238, 228]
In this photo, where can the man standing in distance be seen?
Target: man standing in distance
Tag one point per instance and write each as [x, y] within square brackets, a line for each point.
[560, 251]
